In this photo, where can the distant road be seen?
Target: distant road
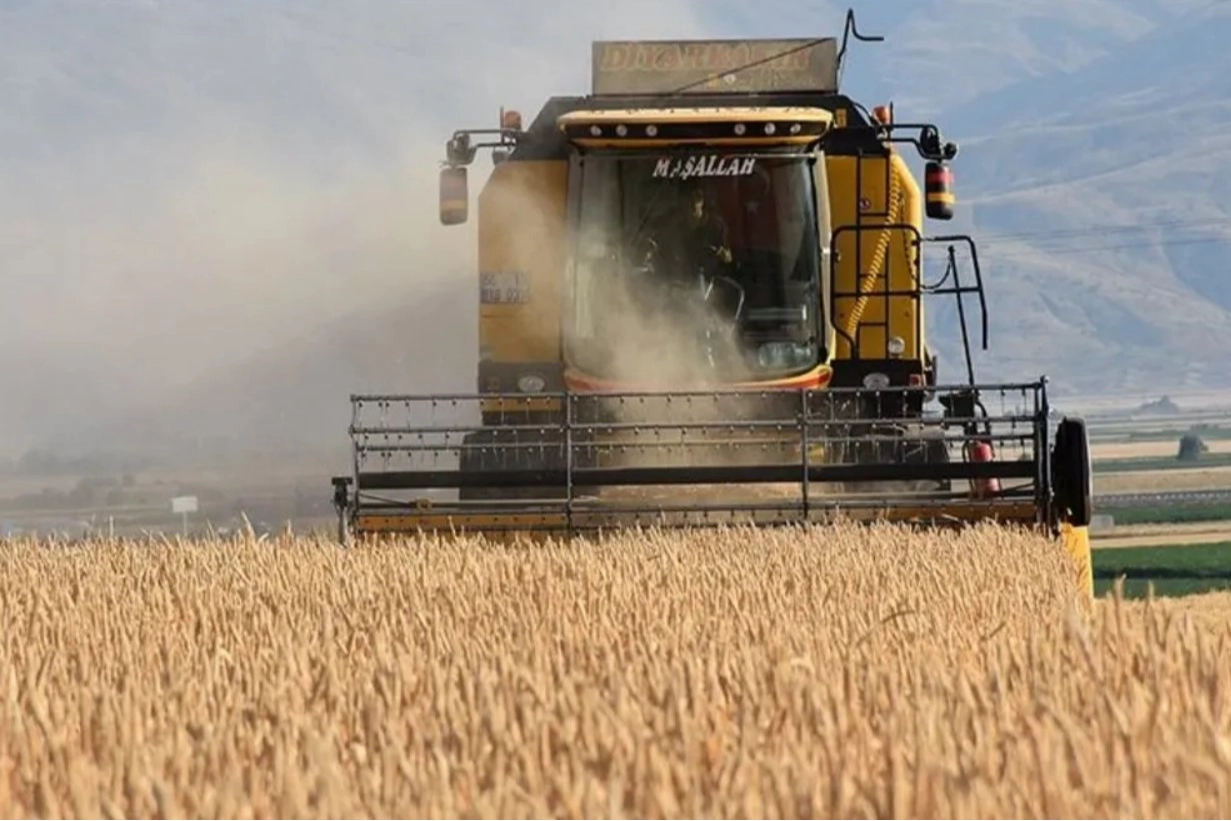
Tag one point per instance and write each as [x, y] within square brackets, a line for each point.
[1183, 497]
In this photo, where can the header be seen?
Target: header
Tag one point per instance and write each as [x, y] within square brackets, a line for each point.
[663, 66]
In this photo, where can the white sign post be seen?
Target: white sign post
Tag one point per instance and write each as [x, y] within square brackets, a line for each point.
[184, 505]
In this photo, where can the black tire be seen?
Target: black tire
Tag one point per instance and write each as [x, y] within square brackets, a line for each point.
[1073, 473]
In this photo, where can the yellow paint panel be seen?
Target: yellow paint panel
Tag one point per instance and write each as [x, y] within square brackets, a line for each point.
[1077, 545]
[519, 405]
[885, 187]
[522, 218]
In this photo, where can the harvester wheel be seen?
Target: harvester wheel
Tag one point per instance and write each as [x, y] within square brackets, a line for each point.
[1072, 472]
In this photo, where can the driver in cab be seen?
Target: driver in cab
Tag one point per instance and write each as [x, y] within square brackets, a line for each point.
[694, 240]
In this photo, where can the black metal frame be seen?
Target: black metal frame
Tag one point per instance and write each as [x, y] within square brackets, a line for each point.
[957, 290]
[766, 436]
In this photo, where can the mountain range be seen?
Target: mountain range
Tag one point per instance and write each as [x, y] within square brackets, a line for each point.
[221, 216]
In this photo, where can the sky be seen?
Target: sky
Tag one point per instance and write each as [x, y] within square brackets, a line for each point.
[186, 185]
[189, 186]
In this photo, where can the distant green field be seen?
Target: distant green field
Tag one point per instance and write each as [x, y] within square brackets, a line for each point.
[1173, 571]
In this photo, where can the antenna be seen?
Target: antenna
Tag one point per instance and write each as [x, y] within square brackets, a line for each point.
[852, 28]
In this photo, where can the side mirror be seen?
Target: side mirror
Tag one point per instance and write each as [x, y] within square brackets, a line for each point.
[454, 195]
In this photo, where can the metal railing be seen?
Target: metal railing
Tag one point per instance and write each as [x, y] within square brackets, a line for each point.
[788, 455]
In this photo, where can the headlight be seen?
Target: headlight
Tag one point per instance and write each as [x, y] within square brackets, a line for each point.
[531, 383]
[876, 381]
[897, 346]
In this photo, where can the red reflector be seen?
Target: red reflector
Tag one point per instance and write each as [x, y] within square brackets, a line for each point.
[916, 379]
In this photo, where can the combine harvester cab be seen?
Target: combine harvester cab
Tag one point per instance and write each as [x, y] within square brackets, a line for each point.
[701, 297]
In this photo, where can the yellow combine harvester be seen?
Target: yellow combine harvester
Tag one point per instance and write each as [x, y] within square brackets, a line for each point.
[701, 300]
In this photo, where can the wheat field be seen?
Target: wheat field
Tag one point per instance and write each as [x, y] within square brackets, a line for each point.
[841, 671]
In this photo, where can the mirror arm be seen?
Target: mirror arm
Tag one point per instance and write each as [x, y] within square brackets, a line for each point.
[929, 143]
[461, 149]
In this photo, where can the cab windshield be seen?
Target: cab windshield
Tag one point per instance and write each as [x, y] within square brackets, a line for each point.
[694, 268]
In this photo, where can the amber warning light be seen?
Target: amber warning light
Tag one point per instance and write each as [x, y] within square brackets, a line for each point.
[510, 120]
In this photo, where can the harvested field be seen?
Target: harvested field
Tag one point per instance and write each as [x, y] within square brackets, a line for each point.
[1158, 481]
[839, 671]
[1198, 530]
[1179, 536]
[1159, 448]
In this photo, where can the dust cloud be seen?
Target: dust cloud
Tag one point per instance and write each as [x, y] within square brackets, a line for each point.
[660, 330]
[219, 218]
[665, 338]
